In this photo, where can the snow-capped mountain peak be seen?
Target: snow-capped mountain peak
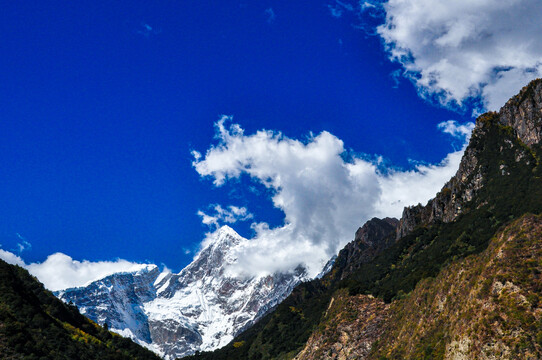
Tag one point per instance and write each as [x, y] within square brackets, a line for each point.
[201, 308]
[222, 240]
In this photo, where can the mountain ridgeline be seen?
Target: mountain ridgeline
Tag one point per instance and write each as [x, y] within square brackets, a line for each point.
[34, 324]
[200, 308]
[457, 278]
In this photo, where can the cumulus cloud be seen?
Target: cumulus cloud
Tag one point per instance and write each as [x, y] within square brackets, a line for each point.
[455, 50]
[230, 215]
[323, 196]
[60, 271]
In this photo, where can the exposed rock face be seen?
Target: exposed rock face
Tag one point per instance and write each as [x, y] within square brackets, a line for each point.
[486, 306]
[523, 114]
[373, 237]
[201, 308]
[118, 300]
[349, 328]
[449, 202]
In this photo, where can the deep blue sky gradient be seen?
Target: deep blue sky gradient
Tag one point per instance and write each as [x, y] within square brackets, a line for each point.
[99, 114]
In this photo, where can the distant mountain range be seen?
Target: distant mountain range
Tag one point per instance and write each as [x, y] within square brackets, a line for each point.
[201, 308]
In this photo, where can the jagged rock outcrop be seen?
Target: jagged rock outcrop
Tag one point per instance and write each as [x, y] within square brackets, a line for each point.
[372, 238]
[350, 326]
[523, 115]
[449, 202]
[201, 308]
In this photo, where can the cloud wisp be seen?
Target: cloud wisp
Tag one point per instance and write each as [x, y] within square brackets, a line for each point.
[456, 50]
[147, 30]
[60, 271]
[324, 197]
[338, 8]
[230, 215]
[23, 244]
[270, 14]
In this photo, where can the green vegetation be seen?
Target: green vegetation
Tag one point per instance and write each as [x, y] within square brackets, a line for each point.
[34, 324]
[512, 186]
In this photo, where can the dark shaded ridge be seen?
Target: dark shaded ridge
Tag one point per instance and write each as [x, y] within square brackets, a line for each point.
[34, 324]
[371, 239]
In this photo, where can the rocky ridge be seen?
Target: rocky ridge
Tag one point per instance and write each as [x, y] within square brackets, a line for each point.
[351, 324]
[372, 238]
[487, 305]
[201, 308]
[522, 115]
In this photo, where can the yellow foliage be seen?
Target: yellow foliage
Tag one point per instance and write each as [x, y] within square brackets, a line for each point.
[79, 335]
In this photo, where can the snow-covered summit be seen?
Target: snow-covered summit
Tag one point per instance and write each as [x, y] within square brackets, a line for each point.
[222, 240]
[201, 308]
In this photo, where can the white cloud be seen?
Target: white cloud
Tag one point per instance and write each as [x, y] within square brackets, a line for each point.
[230, 215]
[405, 188]
[452, 127]
[324, 197]
[60, 271]
[464, 48]
[11, 258]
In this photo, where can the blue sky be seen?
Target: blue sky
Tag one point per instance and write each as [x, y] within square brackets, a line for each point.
[103, 106]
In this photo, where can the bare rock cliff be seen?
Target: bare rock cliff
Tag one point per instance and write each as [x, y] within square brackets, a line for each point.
[373, 237]
[522, 116]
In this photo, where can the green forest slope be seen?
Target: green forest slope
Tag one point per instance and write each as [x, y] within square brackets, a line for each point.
[34, 324]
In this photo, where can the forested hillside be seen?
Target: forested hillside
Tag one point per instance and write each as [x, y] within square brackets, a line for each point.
[34, 324]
